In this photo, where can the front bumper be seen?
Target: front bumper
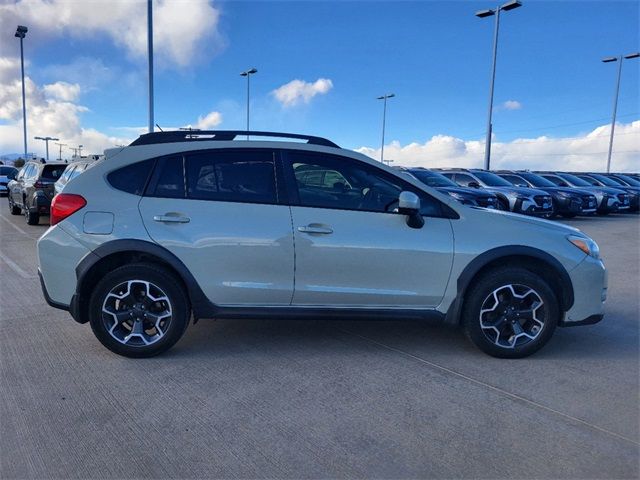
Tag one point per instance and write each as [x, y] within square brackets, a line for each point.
[589, 281]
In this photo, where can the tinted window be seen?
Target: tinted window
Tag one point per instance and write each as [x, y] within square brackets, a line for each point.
[132, 178]
[590, 180]
[629, 180]
[537, 180]
[491, 179]
[168, 178]
[606, 180]
[6, 170]
[432, 179]
[515, 180]
[53, 172]
[353, 185]
[464, 179]
[575, 181]
[232, 176]
[556, 180]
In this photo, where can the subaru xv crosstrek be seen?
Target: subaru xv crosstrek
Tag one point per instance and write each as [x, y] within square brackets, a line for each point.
[188, 224]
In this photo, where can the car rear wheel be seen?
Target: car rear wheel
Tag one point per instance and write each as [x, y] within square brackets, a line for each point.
[32, 218]
[568, 215]
[15, 210]
[139, 310]
[510, 312]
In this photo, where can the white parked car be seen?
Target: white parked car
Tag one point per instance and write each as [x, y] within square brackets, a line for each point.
[182, 224]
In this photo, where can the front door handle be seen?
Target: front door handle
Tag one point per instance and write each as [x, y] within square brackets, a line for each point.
[171, 218]
[316, 228]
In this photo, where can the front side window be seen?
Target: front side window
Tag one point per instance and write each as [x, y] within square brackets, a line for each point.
[347, 184]
[492, 180]
[232, 176]
[515, 180]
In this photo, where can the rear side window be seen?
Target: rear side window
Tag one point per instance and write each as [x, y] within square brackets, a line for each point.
[132, 178]
[167, 180]
[53, 172]
[232, 176]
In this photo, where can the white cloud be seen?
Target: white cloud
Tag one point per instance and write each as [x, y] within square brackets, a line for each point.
[67, 92]
[512, 105]
[579, 153]
[183, 31]
[51, 111]
[209, 121]
[297, 91]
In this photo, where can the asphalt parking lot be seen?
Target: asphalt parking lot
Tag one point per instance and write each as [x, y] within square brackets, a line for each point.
[258, 399]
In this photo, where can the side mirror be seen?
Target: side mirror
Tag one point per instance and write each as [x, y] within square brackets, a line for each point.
[409, 205]
[474, 184]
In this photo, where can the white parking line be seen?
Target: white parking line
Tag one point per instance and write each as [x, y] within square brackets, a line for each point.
[494, 388]
[14, 266]
[17, 228]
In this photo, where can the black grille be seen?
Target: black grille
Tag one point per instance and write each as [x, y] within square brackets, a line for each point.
[486, 201]
[589, 201]
[542, 199]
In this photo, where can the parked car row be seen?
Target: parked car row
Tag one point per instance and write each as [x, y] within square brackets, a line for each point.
[31, 189]
[542, 194]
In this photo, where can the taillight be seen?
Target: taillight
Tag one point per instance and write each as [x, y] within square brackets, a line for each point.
[64, 205]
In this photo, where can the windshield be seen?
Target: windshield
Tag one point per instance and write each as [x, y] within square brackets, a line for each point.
[606, 180]
[492, 180]
[537, 180]
[630, 180]
[575, 181]
[433, 179]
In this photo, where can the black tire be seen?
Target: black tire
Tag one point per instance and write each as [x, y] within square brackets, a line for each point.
[568, 215]
[158, 277]
[503, 205]
[15, 210]
[32, 218]
[490, 339]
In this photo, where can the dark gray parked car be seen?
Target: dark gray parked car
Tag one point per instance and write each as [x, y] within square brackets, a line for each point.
[31, 192]
[567, 202]
[601, 180]
[527, 201]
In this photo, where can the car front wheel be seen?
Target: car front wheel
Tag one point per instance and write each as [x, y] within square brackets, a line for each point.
[139, 310]
[15, 210]
[510, 312]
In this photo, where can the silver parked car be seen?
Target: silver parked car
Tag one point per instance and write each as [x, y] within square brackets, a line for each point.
[73, 170]
[196, 224]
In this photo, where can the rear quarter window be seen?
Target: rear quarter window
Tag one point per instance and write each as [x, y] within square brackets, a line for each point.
[132, 178]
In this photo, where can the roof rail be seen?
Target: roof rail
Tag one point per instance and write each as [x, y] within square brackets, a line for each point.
[175, 136]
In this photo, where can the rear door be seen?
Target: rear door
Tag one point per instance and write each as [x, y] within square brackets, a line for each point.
[220, 212]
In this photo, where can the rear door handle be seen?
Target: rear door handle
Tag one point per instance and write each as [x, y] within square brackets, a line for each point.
[315, 228]
[171, 218]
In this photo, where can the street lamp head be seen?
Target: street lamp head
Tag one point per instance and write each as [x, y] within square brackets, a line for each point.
[21, 31]
[251, 71]
[610, 59]
[633, 55]
[511, 5]
[389, 95]
[485, 13]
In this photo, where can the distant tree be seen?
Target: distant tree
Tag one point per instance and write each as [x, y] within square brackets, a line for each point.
[19, 162]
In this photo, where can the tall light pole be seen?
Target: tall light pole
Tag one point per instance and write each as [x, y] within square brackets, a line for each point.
[60, 153]
[615, 98]
[46, 140]
[21, 32]
[248, 73]
[80, 151]
[150, 60]
[483, 14]
[384, 119]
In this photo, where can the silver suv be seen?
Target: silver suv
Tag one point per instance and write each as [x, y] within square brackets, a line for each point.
[198, 224]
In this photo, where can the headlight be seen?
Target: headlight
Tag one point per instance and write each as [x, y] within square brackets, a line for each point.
[585, 244]
[455, 195]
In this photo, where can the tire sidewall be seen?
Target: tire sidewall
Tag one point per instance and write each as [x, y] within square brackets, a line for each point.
[165, 281]
[483, 288]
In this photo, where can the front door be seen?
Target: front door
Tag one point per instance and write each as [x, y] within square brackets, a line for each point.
[352, 250]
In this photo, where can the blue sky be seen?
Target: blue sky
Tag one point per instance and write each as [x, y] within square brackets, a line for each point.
[435, 56]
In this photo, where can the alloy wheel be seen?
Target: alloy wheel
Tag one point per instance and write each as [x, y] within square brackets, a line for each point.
[137, 313]
[512, 316]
